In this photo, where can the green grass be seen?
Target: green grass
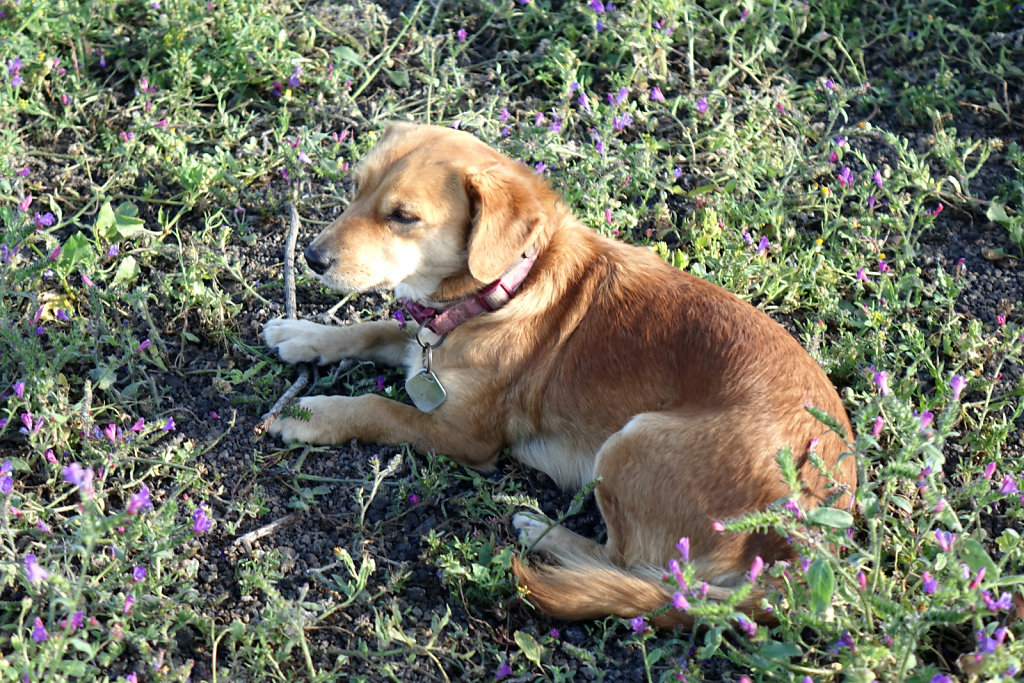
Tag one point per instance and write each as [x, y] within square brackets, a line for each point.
[146, 150]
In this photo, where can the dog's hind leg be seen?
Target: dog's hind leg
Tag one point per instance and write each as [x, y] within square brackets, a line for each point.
[668, 475]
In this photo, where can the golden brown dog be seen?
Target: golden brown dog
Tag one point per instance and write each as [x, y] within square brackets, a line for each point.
[606, 364]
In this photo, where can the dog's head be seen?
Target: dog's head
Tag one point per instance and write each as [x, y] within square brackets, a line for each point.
[434, 210]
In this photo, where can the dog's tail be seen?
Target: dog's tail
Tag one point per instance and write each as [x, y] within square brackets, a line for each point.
[587, 587]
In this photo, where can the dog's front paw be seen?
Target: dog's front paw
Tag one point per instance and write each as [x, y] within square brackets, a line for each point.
[298, 341]
[531, 527]
[309, 421]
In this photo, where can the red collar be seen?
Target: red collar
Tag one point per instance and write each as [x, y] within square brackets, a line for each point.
[490, 298]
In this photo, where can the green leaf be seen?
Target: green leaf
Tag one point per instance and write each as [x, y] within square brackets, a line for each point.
[127, 271]
[120, 223]
[778, 651]
[75, 249]
[822, 582]
[974, 556]
[830, 517]
[103, 376]
[996, 213]
[529, 646]
[399, 78]
[344, 53]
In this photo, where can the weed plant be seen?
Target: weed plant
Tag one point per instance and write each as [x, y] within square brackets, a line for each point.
[795, 153]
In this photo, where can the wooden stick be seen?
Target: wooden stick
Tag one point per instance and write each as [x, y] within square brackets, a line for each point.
[289, 310]
[265, 530]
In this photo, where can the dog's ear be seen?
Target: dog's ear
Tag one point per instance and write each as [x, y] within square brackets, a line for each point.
[506, 214]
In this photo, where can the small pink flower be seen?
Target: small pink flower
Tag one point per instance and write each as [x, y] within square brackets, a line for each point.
[680, 602]
[876, 427]
[39, 633]
[861, 275]
[656, 94]
[990, 469]
[702, 105]
[756, 567]
[1001, 319]
[862, 581]
[881, 380]
[718, 526]
[928, 583]
[683, 546]
[110, 431]
[957, 384]
[460, 35]
[845, 176]
[128, 602]
[978, 578]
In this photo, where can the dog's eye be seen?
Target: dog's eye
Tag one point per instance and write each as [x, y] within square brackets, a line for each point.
[402, 218]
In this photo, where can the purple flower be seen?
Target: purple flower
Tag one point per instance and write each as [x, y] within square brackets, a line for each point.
[556, 125]
[621, 96]
[702, 105]
[138, 574]
[400, 317]
[293, 80]
[944, 539]
[380, 383]
[25, 202]
[957, 384]
[749, 627]
[200, 522]
[845, 176]
[680, 602]
[1004, 603]
[862, 581]
[978, 578]
[504, 115]
[677, 172]
[597, 6]
[33, 571]
[793, 507]
[830, 84]
[304, 158]
[1009, 486]
[877, 177]
[638, 624]
[460, 35]
[881, 380]
[677, 572]
[990, 469]
[540, 167]
[44, 220]
[139, 501]
[926, 419]
[876, 427]
[871, 202]
[80, 477]
[683, 546]
[128, 602]
[622, 122]
[169, 425]
[39, 633]
[941, 678]
[756, 567]
[503, 670]
[988, 644]
[110, 431]
[861, 275]
[6, 481]
[77, 620]
[656, 94]
[928, 583]
[14, 66]
[763, 245]
[86, 281]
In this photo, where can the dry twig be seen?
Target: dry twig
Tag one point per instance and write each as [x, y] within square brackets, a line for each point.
[289, 309]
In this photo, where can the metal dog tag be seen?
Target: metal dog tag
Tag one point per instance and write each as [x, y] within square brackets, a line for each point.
[425, 390]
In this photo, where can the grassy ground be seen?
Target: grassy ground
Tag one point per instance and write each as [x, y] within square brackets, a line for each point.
[854, 169]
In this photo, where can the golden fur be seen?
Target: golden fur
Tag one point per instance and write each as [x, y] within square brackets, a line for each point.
[608, 364]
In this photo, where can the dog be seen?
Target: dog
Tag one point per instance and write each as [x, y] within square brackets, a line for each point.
[589, 359]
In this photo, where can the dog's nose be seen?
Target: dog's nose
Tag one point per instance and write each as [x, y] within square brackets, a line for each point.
[317, 260]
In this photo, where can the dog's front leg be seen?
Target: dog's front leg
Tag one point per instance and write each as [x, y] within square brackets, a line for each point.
[304, 341]
[373, 418]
